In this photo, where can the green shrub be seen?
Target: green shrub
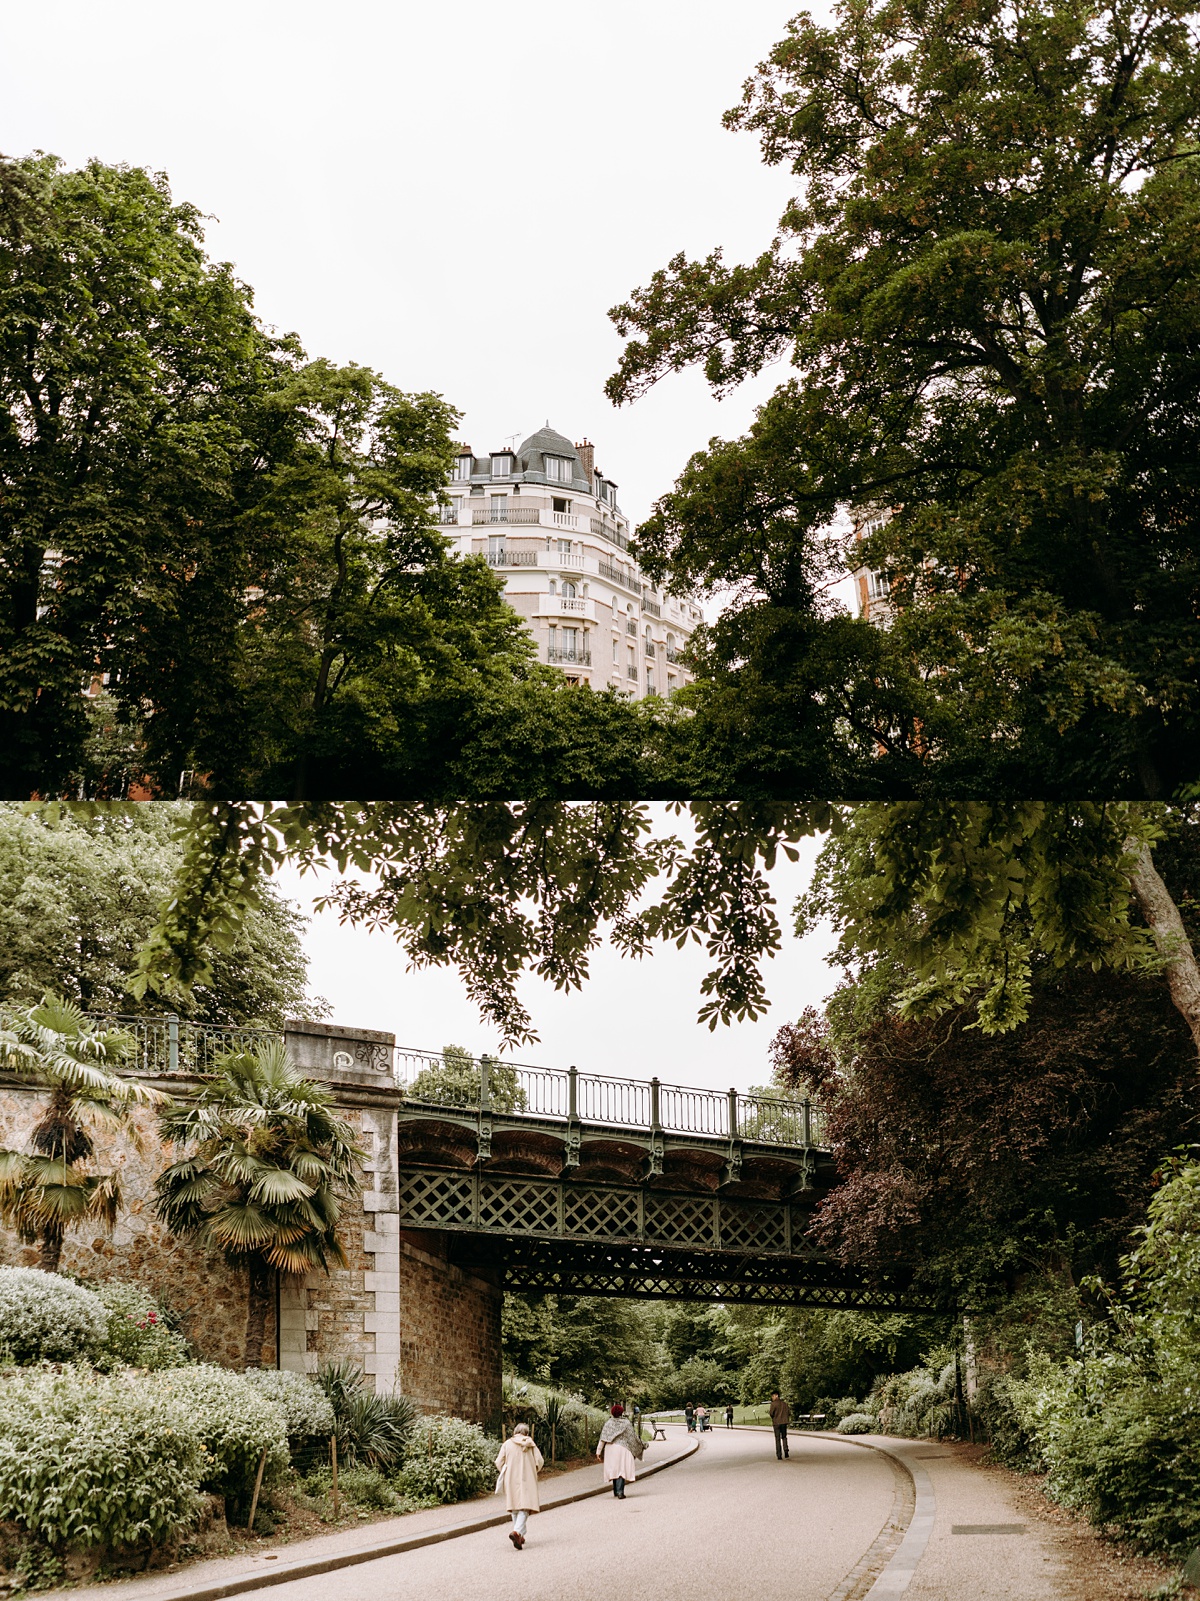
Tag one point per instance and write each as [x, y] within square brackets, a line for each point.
[94, 1461]
[236, 1423]
[139, 1334]
[448, 1460]
[858, 1423]
[1117, 1431]
[366, 1487]
[920, 1403]
[372, 1430]
[305, 1407]
[46, 1318]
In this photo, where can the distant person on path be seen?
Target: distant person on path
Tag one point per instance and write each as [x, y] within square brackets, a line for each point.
[689, 1413]
[728, 1417]
[781, 1416]
[701, 1418]
[519, 1463]
[620, 1450]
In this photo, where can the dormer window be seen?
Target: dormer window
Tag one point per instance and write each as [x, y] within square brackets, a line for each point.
[502, 464]
[463, 465]
[559, 469]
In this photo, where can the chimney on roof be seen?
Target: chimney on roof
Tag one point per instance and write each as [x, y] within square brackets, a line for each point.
[587, 455]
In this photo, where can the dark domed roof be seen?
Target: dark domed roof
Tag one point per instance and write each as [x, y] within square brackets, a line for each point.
[547, 442]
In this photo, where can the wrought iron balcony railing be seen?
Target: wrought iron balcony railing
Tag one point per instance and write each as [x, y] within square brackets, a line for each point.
[577, 658]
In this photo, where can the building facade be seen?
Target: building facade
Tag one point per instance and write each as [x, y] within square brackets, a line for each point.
[549, 522]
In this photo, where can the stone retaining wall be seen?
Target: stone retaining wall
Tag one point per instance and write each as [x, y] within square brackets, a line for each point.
[400, 1309]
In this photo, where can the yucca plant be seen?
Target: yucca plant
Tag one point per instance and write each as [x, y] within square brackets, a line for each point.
[372, 1430]
[51, 1187]
[266, 1165]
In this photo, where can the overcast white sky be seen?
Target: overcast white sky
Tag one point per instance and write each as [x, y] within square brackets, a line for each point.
[452, 194]
[631, 1020]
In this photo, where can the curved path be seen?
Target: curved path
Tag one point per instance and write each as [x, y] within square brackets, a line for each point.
[730, 1521]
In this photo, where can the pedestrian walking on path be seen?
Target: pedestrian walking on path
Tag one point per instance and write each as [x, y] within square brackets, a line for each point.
[620, 1450]
[781, 1416]
[519, 1463]
[728, 1417]
[701, 1418]
[689, 1417]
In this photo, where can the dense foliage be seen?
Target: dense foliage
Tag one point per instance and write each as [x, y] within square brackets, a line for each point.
[306, 1409]
[449, 1460]
[1116, 1429]
[373, 1430]
[236, 1422]
[87, 1461]
[45, 1318]
[987, 285]
[79, 891]
[139, 1332]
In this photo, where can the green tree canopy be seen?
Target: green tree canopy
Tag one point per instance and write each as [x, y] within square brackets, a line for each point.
[961, 894]
[229, 546]
[78, 893]
[988, 286]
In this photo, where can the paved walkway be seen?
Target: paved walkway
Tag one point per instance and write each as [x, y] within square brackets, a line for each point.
[836, 1522]
[730, 1521]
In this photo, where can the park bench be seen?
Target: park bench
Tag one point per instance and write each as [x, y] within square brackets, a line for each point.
[811, 1419]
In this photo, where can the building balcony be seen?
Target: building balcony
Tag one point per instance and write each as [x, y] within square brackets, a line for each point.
[672, 653]
[648, 647]
[651, 606]
[482, 515]
[631, 628]
[573, 606]
[568, 658]
[512, 558]
[631, 672]
[619, 575]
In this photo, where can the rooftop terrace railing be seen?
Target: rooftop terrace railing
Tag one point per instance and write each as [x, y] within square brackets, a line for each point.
[453, 1078]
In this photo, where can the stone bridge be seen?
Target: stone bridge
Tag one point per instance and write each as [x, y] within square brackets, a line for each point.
[482, 1176]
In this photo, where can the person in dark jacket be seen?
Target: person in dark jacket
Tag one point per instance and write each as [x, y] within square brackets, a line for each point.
[689, 1417]
[781, 1416]
[728, 1417]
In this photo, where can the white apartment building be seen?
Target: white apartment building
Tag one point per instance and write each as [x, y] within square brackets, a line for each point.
[548, 520]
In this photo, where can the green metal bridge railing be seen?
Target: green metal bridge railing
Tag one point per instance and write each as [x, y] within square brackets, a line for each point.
[168, 1045]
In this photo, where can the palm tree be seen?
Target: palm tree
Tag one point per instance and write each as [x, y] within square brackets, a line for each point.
[50, 1188]
[266, 1164]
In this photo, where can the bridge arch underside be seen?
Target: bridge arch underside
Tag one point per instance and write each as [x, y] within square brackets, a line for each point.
[611, 1212]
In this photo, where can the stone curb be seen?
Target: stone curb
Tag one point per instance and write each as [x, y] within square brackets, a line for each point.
[311, 1567]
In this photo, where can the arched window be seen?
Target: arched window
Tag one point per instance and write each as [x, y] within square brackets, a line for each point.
[568, 589]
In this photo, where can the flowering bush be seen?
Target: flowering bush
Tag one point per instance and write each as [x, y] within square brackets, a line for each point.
[138, 1332]
[87, 1460]
[448, 1460]
[46, 1318]
[305, 1407]
[235, 1421]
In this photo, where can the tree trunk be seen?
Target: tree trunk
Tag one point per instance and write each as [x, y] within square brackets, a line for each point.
[1169, 936]
[256, 1313]
[50, 1244]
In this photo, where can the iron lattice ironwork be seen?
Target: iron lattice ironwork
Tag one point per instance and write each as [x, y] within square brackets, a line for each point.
[555, 1209]
[647, 1273]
